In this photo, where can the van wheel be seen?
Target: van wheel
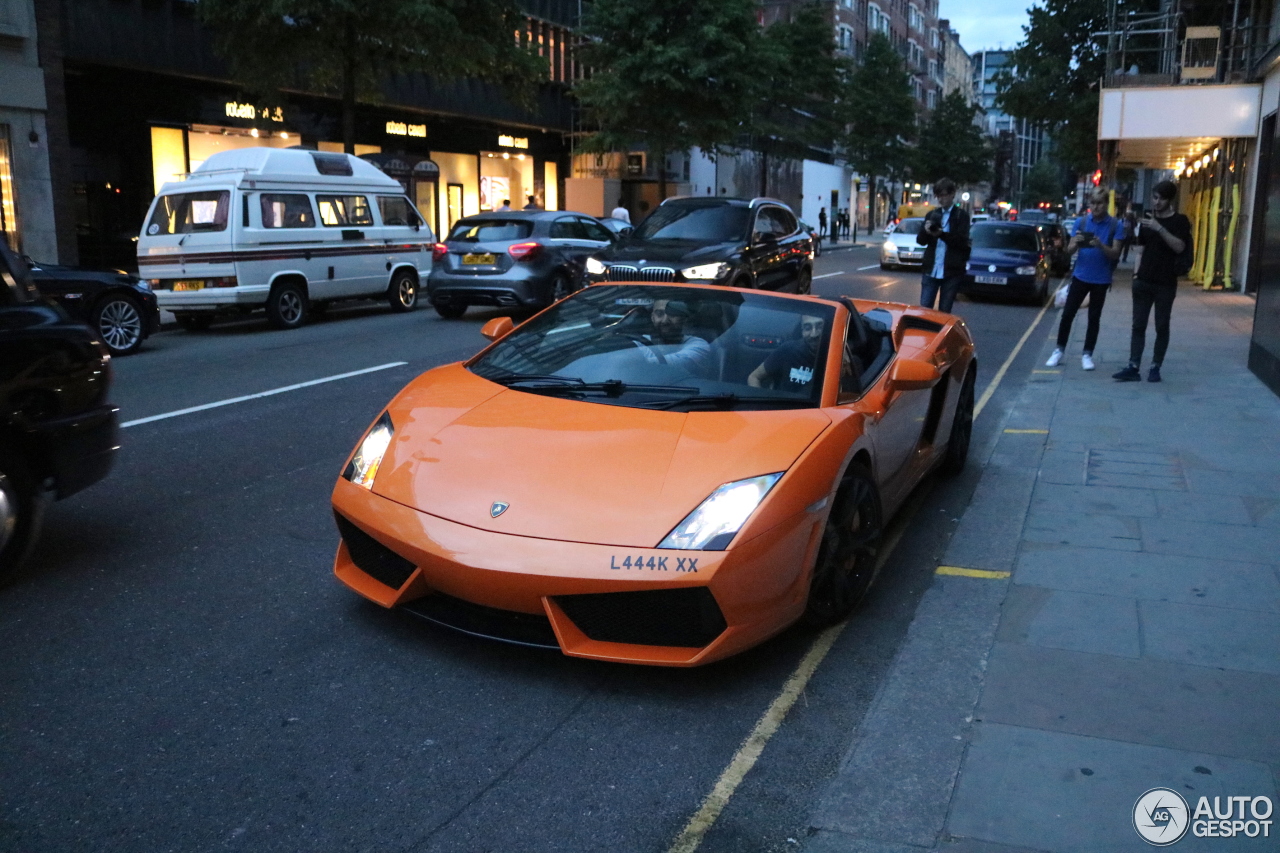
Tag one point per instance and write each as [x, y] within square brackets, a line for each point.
[288, 306]
[118, 321]
[21, 508]
[403, 291]
[193, 322]
[449, 312]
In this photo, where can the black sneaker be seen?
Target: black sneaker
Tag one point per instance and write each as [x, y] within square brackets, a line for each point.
[1131, 374]
[1153, 375]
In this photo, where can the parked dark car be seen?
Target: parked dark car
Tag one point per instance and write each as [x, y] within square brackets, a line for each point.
[813, 235]
[118, 306]
[1054, 239]
[517, 259]
[619, 227]
[57, 430]
[1009, 260]
[738, 242]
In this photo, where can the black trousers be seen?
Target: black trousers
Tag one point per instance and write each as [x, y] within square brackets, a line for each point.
[1145, 295]
[1097, 294]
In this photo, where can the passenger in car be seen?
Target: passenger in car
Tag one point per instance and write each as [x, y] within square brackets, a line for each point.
[790, 367]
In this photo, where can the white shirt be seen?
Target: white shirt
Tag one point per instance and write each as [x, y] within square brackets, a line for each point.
[941, 253]
[622, 213]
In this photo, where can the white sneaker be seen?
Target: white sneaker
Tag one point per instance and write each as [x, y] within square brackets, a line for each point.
[1055, 359]
[1086, 361]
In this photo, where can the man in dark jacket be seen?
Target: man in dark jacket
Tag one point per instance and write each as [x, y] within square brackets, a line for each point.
[945, 236]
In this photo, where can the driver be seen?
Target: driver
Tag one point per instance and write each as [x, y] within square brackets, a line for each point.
[790, 366]
[669, 344]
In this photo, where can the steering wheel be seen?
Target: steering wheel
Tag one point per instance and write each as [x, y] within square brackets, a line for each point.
[646, 344]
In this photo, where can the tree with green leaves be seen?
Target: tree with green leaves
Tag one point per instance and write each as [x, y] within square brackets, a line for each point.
[881, 115]
[1058, 65]
[1044, 182]
[349, 47]
[670, 73]
[952, 146]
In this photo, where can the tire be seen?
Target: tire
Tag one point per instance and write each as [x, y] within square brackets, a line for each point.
[804, 284]
[118, 321]
[561, 286]
[21, 510]
[885, 267]
[402, 293]
[961, 429]
[288, 306]
[448, 311]
[193, 322]
[743, 282]
[846, 563]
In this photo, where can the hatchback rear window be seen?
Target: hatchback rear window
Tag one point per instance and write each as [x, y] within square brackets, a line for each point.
[491, 230]
[185, 213]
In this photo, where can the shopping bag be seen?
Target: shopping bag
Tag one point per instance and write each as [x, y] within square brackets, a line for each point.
[1060, 297]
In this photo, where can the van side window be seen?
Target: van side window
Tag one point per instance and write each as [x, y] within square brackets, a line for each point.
[396, 210]
[339, 210]
[281, 210]
[184, 213]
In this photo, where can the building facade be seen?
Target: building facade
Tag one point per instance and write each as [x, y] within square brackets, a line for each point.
[1019, 143]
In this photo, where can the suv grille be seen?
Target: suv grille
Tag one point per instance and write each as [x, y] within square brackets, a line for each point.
[372, 557]
[622, 272]
[688, 618]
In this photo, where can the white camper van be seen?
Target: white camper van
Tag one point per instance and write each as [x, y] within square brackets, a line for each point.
[285, 230]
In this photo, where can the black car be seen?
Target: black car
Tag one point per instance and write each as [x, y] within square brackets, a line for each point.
[517, 259]
[57, 430]
[119, 307]
[1007, 259]
[755, 243]
[1054, 239]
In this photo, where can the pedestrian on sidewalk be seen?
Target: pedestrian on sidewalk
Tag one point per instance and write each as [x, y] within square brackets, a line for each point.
[822, 222]
[1130, 229]
[945, 236]
[1097, 238]
[1165, 238]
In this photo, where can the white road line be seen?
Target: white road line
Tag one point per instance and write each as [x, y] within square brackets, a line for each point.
[260, 394]
[828, 274]
[868, 267]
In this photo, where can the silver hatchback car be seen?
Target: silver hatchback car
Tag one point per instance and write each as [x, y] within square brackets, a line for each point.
[900, 249]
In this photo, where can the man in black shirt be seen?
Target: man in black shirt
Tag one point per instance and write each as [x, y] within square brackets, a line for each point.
[790, 366]
[1165, 238]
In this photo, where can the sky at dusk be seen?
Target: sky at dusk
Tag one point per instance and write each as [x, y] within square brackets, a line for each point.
[984, 24]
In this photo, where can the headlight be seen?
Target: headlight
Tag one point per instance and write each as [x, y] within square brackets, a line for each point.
[1025, 271]
[712, 526]
[594, 267]
[363, 467]
[891, 248]
[705, 272]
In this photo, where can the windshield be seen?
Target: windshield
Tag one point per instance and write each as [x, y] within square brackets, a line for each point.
[491, 230]
[1009, 237]
[700, 223]
[908, 226]
[676, 348]
[184, 213]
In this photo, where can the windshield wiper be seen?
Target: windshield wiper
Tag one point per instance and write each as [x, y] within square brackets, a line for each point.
[729, 401]
[517, 378]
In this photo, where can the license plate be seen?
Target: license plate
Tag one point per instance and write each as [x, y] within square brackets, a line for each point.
[188, 285]
[990, 279]
[478, 260]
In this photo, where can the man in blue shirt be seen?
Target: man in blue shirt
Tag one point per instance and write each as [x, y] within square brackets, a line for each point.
[945, 236]
[1097, 238]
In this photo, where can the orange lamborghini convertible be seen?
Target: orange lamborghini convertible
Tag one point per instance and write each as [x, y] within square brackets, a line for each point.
[655, 473]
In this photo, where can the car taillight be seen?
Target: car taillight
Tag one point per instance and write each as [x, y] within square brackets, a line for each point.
[523, 251]
[438, 251]
[227, 281]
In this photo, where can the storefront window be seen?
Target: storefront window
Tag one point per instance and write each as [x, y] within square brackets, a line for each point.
[8, 209]
[203, 141]
[505, 176]
[551, 186]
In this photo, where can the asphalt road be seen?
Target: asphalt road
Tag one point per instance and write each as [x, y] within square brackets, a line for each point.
[184, 673]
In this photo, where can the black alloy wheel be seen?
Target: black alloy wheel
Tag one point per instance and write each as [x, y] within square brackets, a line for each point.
[448, 310]
[961, 428]
[193, 322]
[287, 306]
[561, 286]
[118, 321]
[403, 292]
[804, 283]
[846, 563]
[21, 509]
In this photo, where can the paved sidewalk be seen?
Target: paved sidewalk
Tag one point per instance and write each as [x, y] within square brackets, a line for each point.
[1137, 642]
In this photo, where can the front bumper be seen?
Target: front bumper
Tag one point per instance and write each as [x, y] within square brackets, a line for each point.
[80, 449]
[1015, 285]
[629, 605]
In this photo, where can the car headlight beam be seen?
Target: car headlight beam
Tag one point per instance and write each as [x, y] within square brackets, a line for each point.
[712, 526]
[705, 272]
[595, 267]
[364, 465]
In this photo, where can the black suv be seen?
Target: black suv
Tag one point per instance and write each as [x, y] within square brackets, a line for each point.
[57, 432]
[728, 241]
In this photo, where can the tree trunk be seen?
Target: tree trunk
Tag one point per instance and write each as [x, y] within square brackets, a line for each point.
[662, 171]
[872, 222]
[349, 89]
[764, 173]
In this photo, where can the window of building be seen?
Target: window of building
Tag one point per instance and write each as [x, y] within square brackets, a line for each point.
[8, 209]
[844, 38]
[914, 19]
[339, 210]
[931, 99]
[877, 21]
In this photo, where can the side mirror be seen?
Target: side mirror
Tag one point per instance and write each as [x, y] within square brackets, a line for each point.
[909, 374]
[497, 327]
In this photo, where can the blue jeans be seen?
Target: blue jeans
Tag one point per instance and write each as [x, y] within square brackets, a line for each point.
[929, 287]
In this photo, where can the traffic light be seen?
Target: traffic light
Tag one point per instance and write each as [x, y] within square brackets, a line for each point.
[1097, 177]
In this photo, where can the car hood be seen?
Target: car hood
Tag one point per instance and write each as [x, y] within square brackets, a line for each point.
[679, 252]
[1001, 258]
[905, 241]
[571, 470]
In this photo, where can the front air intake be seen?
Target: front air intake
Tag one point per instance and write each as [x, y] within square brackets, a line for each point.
[688, 618]
[372, 557]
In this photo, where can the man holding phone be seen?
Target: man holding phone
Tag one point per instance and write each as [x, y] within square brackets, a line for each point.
[1165, 237]
[1097, 238]
[945, 236]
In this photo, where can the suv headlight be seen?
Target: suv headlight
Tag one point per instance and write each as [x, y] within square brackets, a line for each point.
[712, 526]
[705, 272]
[363, 467]
[594, 267]
[1026, 270]
[890, 248]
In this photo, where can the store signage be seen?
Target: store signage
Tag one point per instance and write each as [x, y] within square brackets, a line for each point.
[236, 109]
[399, 128]
[505, 141]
